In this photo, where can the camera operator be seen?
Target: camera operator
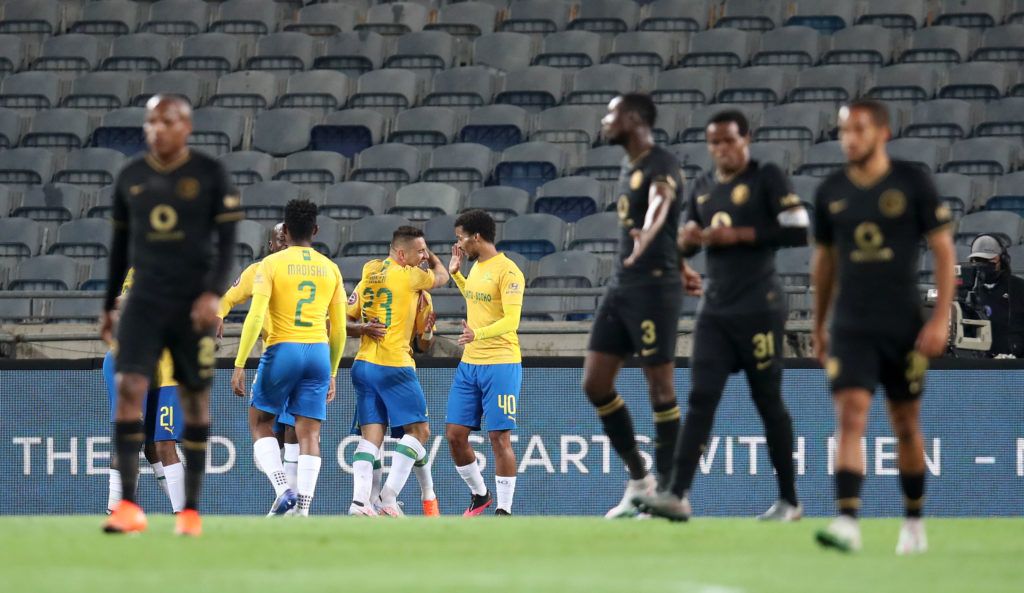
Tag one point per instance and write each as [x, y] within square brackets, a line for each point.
[1000, 295]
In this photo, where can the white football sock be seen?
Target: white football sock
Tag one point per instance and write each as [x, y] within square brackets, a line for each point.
[362, 471]
[175, 477]
[378, 476]
[473, 478]
[308, 471]
[113, 489]
[269, 455]
[291, 463]
[158, 473]
[506, 489]
[426, 480]
[407, 451]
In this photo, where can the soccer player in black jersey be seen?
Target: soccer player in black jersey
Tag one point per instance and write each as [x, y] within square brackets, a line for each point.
[869, 222]
[168, 205]
[640, 310]
[741, 212]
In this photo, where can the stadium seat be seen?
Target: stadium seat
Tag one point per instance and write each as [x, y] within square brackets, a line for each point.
[598, 85]
[534, 89]
[348, 132]
[389, 165]
[533, 235]
[696, 129]
[507, 52]
[1002, 118]
[942, 119]
[16, 310]
[352, 200]
[1016, 12]
[693, 158]
[46, 272]
[781, 154]
[1008, 194]
[806, 187]
[141, 52]
[353, 53]
[388, 91]
[464, 166]
[823, 15]
[956, 191]
[906, 83]
[970, 14]
[603, 163]
[606, 16]
[176, 17]
[74, 310]
[85, 238]
[247, 91]
[69, 55]
[794, 266]
[245, 17]
[424, 126]
[905, 15]
[39, 17]
[281, 132]
[30, 90]
[58, 129]
[724, 48]
[984, 156]
[530, 165]
[502, 203]
[217, 129]
[183, 84]
[544, 308]
[822, 159]
[537, 16]
[924, 152]
[670, 119]
[765, 85]
[938, 45]
[750, 15]
[12, 54]
[422, 201]
[318, 91]
[10, 128]
[796, 125]
[789, 47]
[247, 167]
[52, 204]
[100, 91]
[567, 269]
[423, 52]
[467, 20]
[351, 268]
[649, 51]
[250, 242]
[19, 239]
[598, 233]
[1001, 44]
[439, 233]
[209, 54]
[980, 81]
[468, 87]
[675, 16]
[449, 307]
[689, 86]
[372, 236]
[26, 166]
[121, 130]
[90, 166]
[497, 127]
[573, 127]
[395, 18]
[264, 201]
[324, 20]
[867, 45]
[103, 203]
[330, 237]
[829, 85]
[314, 167]
[569, 49]
[283, 53]
[1007, 224]
[570, 198]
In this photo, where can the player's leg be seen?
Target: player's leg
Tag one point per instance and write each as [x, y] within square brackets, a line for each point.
[168, 429]
[407, 407]
[275, 378]
[369, 421]
[308, 403]
[425, 478]
[465, 410]
[149, 451]
[903, 378]
[284, 431]
[501, 385]
[113, 476]
[308, 432]
[662, 392]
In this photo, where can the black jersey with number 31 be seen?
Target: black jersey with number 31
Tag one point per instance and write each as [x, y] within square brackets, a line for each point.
[876, 232]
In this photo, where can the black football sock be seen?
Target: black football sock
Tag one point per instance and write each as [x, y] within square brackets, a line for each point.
[129, 437]
[618, 425]
[778, 430]
[848, 492]
[194, 445]
[913, 493]
[700, 417]
[666, 431]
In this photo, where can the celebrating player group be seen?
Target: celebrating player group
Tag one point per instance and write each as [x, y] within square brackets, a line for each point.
[868, 222]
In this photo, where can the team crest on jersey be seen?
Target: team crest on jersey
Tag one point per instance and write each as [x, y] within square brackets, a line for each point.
[623, 209]
[790, 200]
[721, 219]
[892, 203]
[232, 201]
[703, 198]
[187, 188]
[943, 213]
[135, 189]
[636, 180]
[514, 288]
[237, 281]
[740, 194]
[837, 206]
[352, 298]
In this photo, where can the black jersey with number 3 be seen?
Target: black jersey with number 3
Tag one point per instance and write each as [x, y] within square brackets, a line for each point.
[661, 259]
[876, 233]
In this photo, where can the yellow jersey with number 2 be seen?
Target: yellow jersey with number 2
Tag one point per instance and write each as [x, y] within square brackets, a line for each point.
[389, 292]
[301, 284]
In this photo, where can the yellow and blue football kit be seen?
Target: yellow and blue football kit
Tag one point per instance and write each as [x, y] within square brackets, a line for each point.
[384, 373]
[490, 375]
[300, 290]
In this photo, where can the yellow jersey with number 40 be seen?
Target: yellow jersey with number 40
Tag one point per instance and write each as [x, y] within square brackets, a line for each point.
[389, 292]
[301, 284]
[490, 286]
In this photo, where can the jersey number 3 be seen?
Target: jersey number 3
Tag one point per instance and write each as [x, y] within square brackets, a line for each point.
[298, 306]
[368, 298]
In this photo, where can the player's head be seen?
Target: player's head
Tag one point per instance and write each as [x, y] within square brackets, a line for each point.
[728, 139]
[277, 240]
[473, 229]
[863, 130]
[630, 115]
[408, 246]
[300, 222]
[168, 124]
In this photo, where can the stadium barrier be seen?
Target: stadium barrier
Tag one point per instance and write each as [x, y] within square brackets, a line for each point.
[55, 444]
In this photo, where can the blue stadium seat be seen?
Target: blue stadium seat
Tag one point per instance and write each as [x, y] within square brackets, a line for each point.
[823, 15]
[570, 198]
[530, 165]
[121, 130]
[497, 127]
[348, 132]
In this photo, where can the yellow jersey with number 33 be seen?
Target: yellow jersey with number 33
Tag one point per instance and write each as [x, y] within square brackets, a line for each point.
[389, 293]
[165, 368]
[301, 284]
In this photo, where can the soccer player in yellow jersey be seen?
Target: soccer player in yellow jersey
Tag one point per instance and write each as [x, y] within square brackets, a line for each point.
[384, 374]
[302, 290]
[488, 379]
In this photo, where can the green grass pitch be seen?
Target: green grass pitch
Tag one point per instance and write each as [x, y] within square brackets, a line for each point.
[530, 555]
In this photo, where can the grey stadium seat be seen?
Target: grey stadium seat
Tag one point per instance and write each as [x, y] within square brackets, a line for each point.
[1008, 194]
[106, 17]
[353, 53]
[69, 55]
[466, 19]
[766, 85]
[351, 268]
[12, 54]
[984, 156]
[472, 86]
[504, 51]
[217, 129]
[352, 200]
[970, 14]
[142, 52]
[603, 163]
[569, 49]
[395, 18]
[946, 119]
[46, 272]
[58, 128]
[534, 89]
[693, 158]
[331, 236]
[649, 51]
[90, 166]
[281, 132]
[895, 14]
[322, 20]
[533, 235]
[1007, 224]
[464, 166]
[496, 126]
[103, 203]
[796, 47]
[424, 126]
[574, 127]
[121, 130]
[911, 83]
[10, 128]
[689, 86]
[31, 17]
[570, 198]
[88, 237]
[30, 90]
[247, 167]
[245, 17]
[250, 242]
[598, 85]
[100, 90]
[15, 310]
[719, 48]
[423, 52]
[372, 236]
[537, 16]
[390, 165]
[209, 54]
[530, 165]
[778, 153]
[1001, 44]
[924, 152]
[794, 266]
[567, 269]
[822, 159]
[544, 308]
[284, 53]
[19, 239]
[52, 204]
[450, 307]
[956, 191]
[314, 167]
[184, 84]
[75, 310]
[941, 45]
[669, 121]
[832, 85]
[750, 15]
[439, 233]
[388, 90]
[796, 124]
[1002, 118]
[26, 166]
[696, 130]
[805, 187]
[675, 16]
[248, 91]
[422, 201]
[868, 45]
[319, 90]
[349, 131]
[502, 203]
[823, 15]
[979, 81]
[606, 16]
[597, 233]
[176, 17]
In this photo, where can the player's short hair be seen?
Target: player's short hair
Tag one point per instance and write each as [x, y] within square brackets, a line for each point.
[732, 116]
[404, 234]
[182, 102]
[477, 221]
[300, 218]
[640, 104]
[876, 109]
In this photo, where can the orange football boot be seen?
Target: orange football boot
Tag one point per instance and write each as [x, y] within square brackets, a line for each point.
[430, 508]
[189, 523]
[126, 518]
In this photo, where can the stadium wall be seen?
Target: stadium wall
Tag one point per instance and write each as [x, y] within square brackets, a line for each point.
[55, 444]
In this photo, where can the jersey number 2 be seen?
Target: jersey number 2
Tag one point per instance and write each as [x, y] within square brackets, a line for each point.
[298, 306]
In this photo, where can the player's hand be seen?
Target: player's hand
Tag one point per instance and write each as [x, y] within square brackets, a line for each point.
[691, 237]
[456, 261]
[374, 329]
[107, 320]
[640, 242]
[204, 312]
[238, 382]
[332, 388]
[819, 339]
[468, 335]
[692, 282]
[720, 236]
[934, 338]
[428, 327]
[220, 327]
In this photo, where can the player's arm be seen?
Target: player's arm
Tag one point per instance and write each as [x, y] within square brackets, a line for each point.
[239, 292]
[117, 265]
[935, 219]
[261, 291]
[423, 330]
[453, 268]
[439, 269]
[511, 287]
[354, 324]
[823, 275]
[659, 200]
[337, 335]
[789, 229]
